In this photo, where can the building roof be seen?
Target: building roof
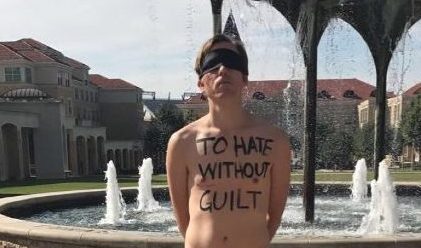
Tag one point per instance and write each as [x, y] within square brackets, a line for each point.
[35, 51]
[230, 28]
[414, 90]
[334, 88]
[107, 83]
[7, 54]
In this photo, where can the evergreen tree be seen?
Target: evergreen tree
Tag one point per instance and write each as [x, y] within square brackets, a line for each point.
[364, 143]
[411, 124]
[333, 147]
[168, 120]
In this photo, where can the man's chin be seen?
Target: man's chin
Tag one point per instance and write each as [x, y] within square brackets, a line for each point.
[225, 94]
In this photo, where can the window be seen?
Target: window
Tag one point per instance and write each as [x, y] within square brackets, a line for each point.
[364, 116]
[91, 98]
[324, 95]
[96, 96]
[76, 93]
[28, 75]
[258, 95]
[86, 96]
[78, 113]
[69, 102]
[59, 78]
[351, 94]
[12, 74]
[67, 79]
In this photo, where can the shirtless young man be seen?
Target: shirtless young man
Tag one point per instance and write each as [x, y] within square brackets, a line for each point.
[228, 172]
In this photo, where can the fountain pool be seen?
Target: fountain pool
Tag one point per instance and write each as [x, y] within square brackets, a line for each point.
[331, 218]
[294, 232]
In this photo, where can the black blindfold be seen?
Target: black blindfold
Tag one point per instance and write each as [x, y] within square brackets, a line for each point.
[225, 57]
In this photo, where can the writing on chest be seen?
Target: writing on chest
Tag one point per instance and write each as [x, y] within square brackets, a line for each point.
[236, 144]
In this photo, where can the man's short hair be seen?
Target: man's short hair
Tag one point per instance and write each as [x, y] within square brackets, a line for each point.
[214, 40]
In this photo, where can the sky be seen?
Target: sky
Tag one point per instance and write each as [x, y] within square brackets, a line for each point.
[153, 44]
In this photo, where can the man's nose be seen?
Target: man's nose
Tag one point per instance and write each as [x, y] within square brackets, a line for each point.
[222, 70]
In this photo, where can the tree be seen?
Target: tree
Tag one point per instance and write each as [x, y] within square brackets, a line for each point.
[333, 147]
[168, 120]
[323, 132]
[364, 143]
[190, 117]
[411, 124]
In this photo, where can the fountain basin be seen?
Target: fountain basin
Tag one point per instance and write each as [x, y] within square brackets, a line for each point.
[30, 234]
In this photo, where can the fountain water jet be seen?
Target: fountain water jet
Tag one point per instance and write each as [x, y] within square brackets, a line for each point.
[116, 207]
[359, 181]
[383, 215]
[145, 200]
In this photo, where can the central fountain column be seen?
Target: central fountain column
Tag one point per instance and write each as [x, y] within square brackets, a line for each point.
[216, 13]
[308, 38]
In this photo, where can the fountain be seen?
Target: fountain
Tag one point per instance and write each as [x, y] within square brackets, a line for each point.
[115, 205]
[359, 181]
[145, 199]
[383, 216]
[307, 17]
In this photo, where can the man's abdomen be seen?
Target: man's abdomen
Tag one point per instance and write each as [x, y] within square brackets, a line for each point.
[231, 230]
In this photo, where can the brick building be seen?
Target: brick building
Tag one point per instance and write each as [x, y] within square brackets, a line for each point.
[52, 116]
[396, 106]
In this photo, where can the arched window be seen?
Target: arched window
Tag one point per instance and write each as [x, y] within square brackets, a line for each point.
[323, 94]
[351, 94]
[259, 95]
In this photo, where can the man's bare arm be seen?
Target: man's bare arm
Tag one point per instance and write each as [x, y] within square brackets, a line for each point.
[280, 177]
[177, 175]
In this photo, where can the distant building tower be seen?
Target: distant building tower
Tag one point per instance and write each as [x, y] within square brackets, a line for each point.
[231, 28]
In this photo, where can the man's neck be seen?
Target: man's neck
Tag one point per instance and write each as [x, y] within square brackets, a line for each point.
[227, 115]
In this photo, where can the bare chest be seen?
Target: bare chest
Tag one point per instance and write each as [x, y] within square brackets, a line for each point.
[230, 172]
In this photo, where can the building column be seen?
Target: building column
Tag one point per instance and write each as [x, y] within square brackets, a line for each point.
[101, 154]
[72, 154]
[86, 157]
[25, 154]
[137, 158]
[3, 172]
[132, 165]
[94, 157]
[20, 152]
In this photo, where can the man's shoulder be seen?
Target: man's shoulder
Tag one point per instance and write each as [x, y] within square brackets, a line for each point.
[186, 133]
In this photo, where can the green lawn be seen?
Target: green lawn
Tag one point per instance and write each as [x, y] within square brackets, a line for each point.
[42, 186]
[347, 176]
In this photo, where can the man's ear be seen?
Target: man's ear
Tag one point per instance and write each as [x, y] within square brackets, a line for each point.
[200, 84]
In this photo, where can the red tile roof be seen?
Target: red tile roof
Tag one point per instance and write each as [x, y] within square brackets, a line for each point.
[7, 54]
[36, 51]
[334, 87]
[414, 90]
[107, 83]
